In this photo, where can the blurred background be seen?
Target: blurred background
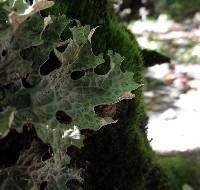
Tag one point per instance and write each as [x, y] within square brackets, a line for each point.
[172, 89]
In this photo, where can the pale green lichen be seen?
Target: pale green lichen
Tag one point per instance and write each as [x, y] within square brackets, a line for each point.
[56, 95]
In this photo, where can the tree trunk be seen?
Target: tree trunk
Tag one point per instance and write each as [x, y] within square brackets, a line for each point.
[119, 155]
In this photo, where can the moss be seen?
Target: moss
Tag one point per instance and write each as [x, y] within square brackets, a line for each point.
[111, 166]
[180, 171]
[119, 155]
[157, 179]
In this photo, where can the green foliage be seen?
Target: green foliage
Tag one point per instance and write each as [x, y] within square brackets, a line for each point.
[53, 73]
[180, 171]
[58, 100]
[177, 9]
[58, 91]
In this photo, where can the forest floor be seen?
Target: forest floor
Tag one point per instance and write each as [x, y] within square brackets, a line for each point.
[172, 89]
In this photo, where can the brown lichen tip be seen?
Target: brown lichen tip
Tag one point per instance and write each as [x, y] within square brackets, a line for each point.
[110, 110]
[126, 96]
[103, 122]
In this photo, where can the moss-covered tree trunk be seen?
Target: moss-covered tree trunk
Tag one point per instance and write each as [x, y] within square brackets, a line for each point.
[119, 155]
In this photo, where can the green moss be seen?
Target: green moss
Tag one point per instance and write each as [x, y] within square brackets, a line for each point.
[157, 179]
[180, 171]
[120, 156]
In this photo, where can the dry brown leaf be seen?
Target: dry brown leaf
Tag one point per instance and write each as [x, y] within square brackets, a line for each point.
[10, 121]
[103, 122]
[91, 34]
[110, 110]
[106, 110]
[47, 21]
[126, 96]
[17, 19]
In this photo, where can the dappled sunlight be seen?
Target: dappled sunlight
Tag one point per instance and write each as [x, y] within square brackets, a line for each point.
[177, 40]
[174, 112]
[196, 51]
[172, 89]
[147, 44]
[175, 126]
[161, 25]
[176, 134]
